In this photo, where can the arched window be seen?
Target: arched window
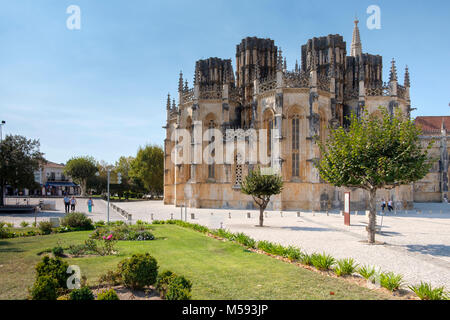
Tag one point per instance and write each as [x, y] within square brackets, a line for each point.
[268, 126]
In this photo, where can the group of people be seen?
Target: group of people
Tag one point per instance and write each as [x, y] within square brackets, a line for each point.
[389, 205]
[70, 204]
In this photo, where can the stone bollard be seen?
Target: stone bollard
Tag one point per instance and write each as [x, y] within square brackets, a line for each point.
[356, 212]
[314, 213]
[151, 216]
[281, 214]
[212, 213]
[298, 214]
[192, 216]
[341, 213]
[249, 215]
[328, 213]
[265, 214]
[171, 216]
[367, 213]
[229, 215]
[221, 225]
[129, 217]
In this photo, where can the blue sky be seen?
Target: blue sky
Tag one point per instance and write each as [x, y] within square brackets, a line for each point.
[102, 90]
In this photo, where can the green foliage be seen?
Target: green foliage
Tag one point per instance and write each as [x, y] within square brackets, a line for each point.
[76, 249]
[292, 253]
[272, 248]
[58, 251]
[173, 287]
[148, 167]
[112, 278]
[124, 232]
[83, 293]
[391, 281]
[367, 272]
[305, 258]
[322, 261]
[24, 224]
[19, 158]
[176, 291]
[245, 240]
[426, 292]
[139, 271]
[45, 288]
[78, 221]
[345, 267]
[374, 152]
[2, 224]
[45, 227]
[55, 268]
[261, 187]
[81, 169]
[108, 295]
[10, 224]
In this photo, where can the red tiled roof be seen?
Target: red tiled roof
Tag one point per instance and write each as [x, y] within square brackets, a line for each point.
[54, 165]
[432, 124]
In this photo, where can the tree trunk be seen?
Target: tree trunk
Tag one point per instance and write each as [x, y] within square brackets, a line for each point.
[371, 228]
[2, 203]
[261, 216]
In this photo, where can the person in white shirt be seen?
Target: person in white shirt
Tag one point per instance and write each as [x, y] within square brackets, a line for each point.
[390, 207]
[383, 204]
[73, 203]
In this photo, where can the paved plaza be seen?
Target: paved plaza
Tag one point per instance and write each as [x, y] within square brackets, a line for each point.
[417, 242]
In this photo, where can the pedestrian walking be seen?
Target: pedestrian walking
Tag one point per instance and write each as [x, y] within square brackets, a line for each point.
[66, 203]
[90, 204]
[73, 203]
[383, 205]
[390, 207]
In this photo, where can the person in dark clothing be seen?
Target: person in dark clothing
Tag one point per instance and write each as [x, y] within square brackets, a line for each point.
[383, 205]
[390, 207]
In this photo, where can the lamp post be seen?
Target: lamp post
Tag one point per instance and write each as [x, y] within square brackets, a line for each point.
[1, 127]
[107, 210]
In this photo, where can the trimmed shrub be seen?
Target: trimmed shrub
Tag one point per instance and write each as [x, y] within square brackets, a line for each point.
[391, 281]
[108, 295]
[45, 227]
[81, 294]
[78, 221]
[139, 271]
[345, 267]
[292, 253]
[112, 278]
[58, 251]
[45, 288]
[55, 268]
[426, 292]
[322, 261]
[76, 249]
[176, 291]
[64, 297]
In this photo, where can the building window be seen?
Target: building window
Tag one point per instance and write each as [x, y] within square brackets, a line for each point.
[295, 147]
[211, 168]
[238, 170]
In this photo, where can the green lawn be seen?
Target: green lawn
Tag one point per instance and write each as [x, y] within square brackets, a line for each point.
[218, 270]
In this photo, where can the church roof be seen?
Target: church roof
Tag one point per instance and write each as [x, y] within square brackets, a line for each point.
[432, 124]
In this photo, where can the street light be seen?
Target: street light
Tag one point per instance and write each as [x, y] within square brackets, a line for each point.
[1, 127]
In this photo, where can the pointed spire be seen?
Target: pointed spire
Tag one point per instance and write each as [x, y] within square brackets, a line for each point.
[393, 73]
[285, 64]
[168, 101]
[296, 66]
[280, 59]
[174, 106]
[186, 87]
[180, 82]
[356, 48]
[407, 82]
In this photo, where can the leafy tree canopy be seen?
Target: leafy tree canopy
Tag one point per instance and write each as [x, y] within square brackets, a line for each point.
[148, 167]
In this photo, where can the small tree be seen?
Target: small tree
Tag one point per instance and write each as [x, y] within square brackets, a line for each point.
[81, 169]
[148, 167]
[19, 158]
[261, 187]
[373, 153]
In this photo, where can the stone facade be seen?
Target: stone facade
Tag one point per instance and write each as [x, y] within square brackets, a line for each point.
[434, 187]
[297, 104]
